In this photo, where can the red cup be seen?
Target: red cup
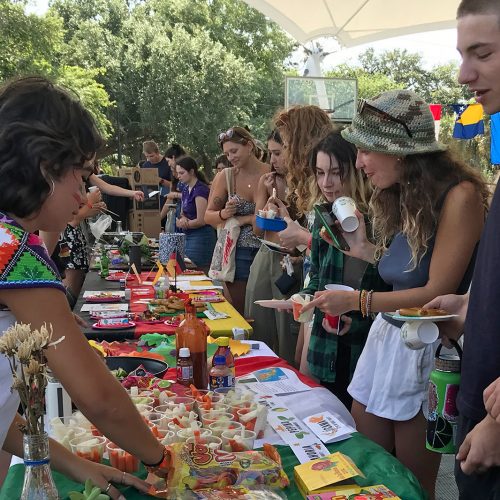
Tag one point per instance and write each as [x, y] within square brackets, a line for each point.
[333, 321]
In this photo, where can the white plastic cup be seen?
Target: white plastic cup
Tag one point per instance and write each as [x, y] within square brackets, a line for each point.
[238, 440]
[417, 334]
[212, 442]
[92, 189]
[344, 209]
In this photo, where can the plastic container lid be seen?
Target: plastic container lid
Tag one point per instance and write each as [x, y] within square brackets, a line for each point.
[184, 352]
[220, 360]
[223, 341]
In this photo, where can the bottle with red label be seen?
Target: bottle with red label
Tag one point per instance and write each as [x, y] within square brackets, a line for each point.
[184, 367]
[225, 350]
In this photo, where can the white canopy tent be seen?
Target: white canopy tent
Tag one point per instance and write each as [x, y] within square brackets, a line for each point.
[354, 22]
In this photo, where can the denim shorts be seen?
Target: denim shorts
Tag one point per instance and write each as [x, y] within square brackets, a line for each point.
[244, 259]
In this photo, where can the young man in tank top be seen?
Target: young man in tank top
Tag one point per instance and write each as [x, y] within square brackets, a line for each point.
[477, 468]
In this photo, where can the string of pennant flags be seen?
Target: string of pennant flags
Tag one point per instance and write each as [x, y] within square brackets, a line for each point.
[469, 123]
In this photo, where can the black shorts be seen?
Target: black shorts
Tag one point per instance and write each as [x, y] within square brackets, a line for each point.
[484, 486]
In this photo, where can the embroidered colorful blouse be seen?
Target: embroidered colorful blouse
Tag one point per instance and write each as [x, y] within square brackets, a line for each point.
[24, 260]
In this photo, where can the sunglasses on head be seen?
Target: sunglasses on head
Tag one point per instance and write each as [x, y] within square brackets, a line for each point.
[228, 135]
[364, 106]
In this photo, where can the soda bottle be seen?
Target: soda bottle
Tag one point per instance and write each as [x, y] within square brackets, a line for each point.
[104, 263]
[185, 367]
[193, 334]
[442, 419]
[220, 374]
[225, 350]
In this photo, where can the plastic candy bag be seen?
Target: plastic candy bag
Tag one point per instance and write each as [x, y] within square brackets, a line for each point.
[100, 226]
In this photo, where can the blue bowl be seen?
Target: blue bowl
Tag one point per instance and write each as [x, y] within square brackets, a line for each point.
[277, 224]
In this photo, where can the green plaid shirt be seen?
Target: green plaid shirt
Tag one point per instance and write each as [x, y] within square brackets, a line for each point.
[327, 265]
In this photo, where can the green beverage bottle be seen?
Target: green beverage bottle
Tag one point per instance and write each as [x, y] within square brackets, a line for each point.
[442, 420]
[104, 263]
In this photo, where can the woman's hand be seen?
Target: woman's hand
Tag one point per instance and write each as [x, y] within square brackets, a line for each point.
[346, 325]
[360, 246]
[333, 303]
[454, 304]
[293, 236]
[94, 196]
[268, 180]
[230, 208]
[279, 207]
[182, 222]
[102, 476]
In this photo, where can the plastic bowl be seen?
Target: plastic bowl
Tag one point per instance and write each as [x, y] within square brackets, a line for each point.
[131, 363]
[276, 224]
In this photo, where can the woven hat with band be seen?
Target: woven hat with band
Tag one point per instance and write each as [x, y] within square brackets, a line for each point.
[397, 122]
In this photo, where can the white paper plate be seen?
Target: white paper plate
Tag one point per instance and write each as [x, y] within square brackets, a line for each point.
[275, 304]
[434, 319]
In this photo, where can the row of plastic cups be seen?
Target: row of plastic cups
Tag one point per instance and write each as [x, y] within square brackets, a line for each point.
[233, 440]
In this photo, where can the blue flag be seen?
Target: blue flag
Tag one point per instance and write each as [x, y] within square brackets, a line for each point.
[469, 122]
[495, 138]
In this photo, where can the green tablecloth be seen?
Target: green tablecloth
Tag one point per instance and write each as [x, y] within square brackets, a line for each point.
[377, 465]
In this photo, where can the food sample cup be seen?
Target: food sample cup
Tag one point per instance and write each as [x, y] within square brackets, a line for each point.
[417, 334]
[121, 459]
[184, 421]
[181, 401]
[299, 300]
[89, 448]
[218, 428]
[212, 416]
[142, 400]
[344, 209]
[334, 321]
[184, 434]
[212, 442]
[168, 438]
[254, 419]
[238, 440]
[160, 420]
[144, 410]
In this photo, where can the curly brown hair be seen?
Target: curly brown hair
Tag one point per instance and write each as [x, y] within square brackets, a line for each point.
[44, 132]
[413, 206]
[300, 127]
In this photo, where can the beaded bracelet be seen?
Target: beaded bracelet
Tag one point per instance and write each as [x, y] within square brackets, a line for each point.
[364, 294]
[369, 303]
[359, 299]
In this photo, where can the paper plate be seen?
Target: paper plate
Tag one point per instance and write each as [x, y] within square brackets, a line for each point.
[434, 319]
[274, 304]
[130, 324]
[118, 277]
[114, 298]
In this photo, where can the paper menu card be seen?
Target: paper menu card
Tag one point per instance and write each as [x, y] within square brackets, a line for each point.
[93, 293]
[378, 492]
[320, 475]
[104, 307]
[328, 427]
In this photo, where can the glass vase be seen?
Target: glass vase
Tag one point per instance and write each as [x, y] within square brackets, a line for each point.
[38, 482]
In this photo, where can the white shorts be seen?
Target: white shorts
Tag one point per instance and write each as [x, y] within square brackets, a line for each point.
[390, 379]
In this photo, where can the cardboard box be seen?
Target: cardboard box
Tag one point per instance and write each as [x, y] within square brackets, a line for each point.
[145, 221]
[138, 176]
[150, 202]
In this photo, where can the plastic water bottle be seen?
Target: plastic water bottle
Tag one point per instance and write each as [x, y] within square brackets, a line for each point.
[442, 420]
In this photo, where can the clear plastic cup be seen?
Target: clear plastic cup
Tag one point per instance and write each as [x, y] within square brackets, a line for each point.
[299, 300]
[235, 408]
[212, 442]
[238, 440]
[159, 420]
[184, 434]
[168, 438]
[142, 400]
[212, 416]
[91, 449]
[64, 434]
[254, 419]
[218, 428]
[180, 402]
[144, 410]
[121, 459]
[184, 421]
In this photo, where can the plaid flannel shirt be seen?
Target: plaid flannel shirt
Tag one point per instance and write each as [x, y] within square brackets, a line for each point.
[327, 264]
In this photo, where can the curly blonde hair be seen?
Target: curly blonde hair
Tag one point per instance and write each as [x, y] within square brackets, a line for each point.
[300, 127]
[413, 206]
